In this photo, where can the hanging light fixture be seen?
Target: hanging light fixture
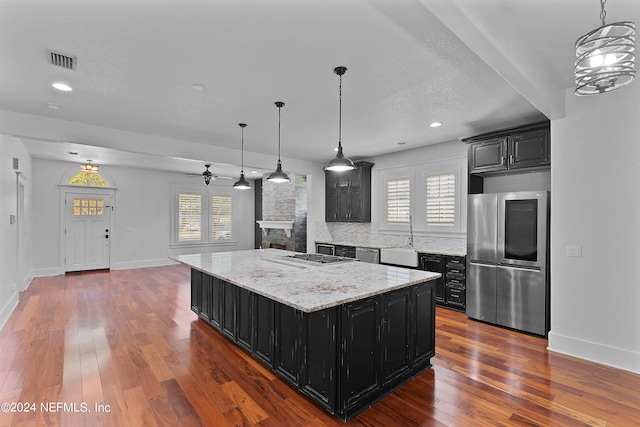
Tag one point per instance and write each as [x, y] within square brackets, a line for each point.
[88, 167]
[605, 57]
[340, 163]
[242, 183]
[278, 176]
[207, 175]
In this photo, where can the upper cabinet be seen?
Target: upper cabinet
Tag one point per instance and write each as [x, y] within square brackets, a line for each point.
[510, 149]
[348, 194]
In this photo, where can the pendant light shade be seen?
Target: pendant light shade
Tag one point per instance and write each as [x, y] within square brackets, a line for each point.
[242, 183]
[207, 175]
[605, 57]
[340, 163]
[278, 176]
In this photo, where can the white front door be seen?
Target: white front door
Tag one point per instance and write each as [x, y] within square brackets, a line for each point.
[87, 231]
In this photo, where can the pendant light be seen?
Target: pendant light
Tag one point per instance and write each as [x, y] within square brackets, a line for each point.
[207, 175]
[605, 57]
[340, 163]
[278, 176]
[242, 183]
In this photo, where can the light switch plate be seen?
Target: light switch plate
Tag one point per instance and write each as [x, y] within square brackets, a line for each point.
[574, 250]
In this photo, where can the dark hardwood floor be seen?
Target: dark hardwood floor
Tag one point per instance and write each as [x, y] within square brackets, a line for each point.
[122, 348]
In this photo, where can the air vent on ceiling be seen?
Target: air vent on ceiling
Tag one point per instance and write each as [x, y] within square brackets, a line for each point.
[61, 60]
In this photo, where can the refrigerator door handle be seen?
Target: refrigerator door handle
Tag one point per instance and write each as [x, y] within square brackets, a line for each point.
[519, 267]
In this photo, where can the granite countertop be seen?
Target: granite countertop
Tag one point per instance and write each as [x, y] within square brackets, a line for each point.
[418, 248]
[269, 272]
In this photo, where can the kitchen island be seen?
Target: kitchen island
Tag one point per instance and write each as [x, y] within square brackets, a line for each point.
[345, 333]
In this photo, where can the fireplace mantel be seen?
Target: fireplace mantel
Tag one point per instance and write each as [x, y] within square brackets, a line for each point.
[287, 226]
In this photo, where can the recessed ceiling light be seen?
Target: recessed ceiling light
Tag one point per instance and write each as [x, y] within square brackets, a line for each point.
[435, 124]
[401, 142]
[62, 86]
[198, 87]
[73, 153]
[52, 106]
[255, 172]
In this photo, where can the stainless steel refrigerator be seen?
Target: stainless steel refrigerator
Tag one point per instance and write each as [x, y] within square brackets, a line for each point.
[508, 260]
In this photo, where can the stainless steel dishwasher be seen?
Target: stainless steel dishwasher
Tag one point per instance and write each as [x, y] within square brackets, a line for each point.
[368, 255]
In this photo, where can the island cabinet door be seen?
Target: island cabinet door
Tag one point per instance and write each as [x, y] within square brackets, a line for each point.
[396, 335]
[263, 321]
[229, 293]
[318, 356]
[361, 354]
[205, 296]
[196, 284]
[423, 327]
[216, 302]
[287, 342]
[244, 318]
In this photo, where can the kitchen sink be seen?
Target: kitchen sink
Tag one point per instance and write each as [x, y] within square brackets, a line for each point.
[399, 256]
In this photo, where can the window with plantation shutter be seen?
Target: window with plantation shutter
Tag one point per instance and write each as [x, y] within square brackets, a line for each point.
[441, 199]
[398, 200]
[189, 217]
[221, 220]
[201, 217]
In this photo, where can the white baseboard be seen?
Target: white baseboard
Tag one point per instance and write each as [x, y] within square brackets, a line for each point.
[595, 352]
[52, 271]
[8, 308]
[141, 264]
[27, 281]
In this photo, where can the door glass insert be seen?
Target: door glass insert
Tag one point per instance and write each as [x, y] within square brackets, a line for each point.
[90, 207]
[521, 230]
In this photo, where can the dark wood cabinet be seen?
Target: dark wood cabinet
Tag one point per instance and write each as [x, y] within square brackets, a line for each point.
[228, 318]
[346, 357]
[488, 156]
[436, 264]
[318, 349]
[529, 149]
[287, 343]
[348, 194]
[510, 150]
[450, 289]
[217, 287]
[396, 335]
[196, 285]
[263, 321]
[361, 346]
[244, 318]
[455, 282]
[423, 330]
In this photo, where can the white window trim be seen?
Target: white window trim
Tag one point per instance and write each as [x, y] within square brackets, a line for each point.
[206, 194]
[456, 227]
[392, 175]
[418, 173]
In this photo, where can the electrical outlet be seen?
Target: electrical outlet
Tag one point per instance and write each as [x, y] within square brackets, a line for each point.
[574, 250]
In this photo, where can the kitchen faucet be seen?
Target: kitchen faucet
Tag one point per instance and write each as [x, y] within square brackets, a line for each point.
[410, 231]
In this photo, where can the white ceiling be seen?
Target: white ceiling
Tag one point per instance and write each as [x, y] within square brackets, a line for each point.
[410, 62]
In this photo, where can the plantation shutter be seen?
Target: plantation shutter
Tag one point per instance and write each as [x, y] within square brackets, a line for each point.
[221, 217]
[189, 217]
[398, 200]
[441, 192]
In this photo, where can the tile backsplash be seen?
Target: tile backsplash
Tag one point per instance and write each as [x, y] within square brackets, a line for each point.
[368, 233]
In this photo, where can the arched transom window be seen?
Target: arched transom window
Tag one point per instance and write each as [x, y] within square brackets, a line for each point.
[88, 178]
